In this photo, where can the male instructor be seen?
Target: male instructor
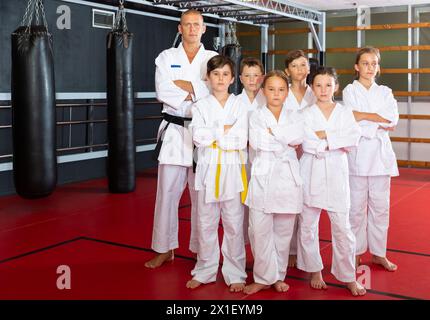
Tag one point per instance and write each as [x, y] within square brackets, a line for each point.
[179, 82]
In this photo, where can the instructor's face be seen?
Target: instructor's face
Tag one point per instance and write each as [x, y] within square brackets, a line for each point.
[192, 28]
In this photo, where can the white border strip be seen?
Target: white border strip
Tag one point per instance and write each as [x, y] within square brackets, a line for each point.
[81, 156]
[6, 96]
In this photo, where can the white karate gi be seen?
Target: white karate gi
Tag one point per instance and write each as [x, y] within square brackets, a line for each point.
[307, 100]
[371, 167]
[176, 154]
[324, 169]
[259, 100]
[275, 193]
[207, 127]
[292, 103]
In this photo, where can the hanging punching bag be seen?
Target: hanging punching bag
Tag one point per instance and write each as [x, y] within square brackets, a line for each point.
[33, 106]
[122, 148]
[233, 50]
[313, 66]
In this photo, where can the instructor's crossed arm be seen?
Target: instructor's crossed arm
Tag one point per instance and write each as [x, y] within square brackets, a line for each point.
[186, 86]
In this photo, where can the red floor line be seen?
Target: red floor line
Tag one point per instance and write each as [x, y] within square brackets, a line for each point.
[394, 250]
[408, 195]
[26, 254]
[247, 269]
[389, 294]
[178, 256]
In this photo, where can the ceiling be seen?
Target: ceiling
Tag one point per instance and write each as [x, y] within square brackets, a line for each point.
[350, 4]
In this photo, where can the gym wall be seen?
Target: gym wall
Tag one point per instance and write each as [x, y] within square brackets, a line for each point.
[80, 75]
[411, 139]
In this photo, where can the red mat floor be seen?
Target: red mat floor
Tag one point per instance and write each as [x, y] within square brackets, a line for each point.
[105, 240]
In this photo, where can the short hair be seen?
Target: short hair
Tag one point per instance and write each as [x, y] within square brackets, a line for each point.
[251, 62]
[325, 71]
[273, 74]
[191, 11]
[219, 61]
[293, 55]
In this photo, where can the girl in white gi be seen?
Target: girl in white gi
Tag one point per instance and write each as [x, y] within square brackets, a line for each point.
[275, 194]
[330, 132]
[220, 132]
[251, 76]
[373, 163]
[300, 96]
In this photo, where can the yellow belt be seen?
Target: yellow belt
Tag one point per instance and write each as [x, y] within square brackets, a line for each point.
[218, 172]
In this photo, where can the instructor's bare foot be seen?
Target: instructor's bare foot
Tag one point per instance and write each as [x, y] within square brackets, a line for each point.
[292, 261]
[159, 259]
[237, 287]
[281, 286]
[192, 284]
[317, 281]
[255, 287]
[357, 261]
[383, 261]
[356, 289]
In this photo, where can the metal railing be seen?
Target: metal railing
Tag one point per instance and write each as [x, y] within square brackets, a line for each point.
[89, 122]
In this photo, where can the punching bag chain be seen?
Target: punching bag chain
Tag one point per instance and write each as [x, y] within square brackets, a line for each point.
[121, 21]
[34, 8]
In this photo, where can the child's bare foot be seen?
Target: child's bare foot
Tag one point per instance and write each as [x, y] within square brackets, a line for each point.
[192, 284]
[383, 261]
[281, 286]
[159, 259]
[237, 287]
[292, 261]
[255, 287]
[357, 261]
[317, 281]
[356, 289]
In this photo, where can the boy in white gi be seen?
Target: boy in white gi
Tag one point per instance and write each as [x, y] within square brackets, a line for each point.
[299, 97]
[179, 80]
[373, 163]
[297, 69]
[251, 76]
[220, 132]
[330, 132]
[275, 194]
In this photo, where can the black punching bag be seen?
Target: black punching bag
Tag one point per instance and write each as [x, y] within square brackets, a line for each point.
[313, 66]
[234, 52]
[33, 107]
[122, 148]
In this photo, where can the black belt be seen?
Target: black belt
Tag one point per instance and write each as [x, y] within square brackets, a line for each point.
[180, 121]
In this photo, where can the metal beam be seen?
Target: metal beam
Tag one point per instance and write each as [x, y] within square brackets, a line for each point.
[281, 7]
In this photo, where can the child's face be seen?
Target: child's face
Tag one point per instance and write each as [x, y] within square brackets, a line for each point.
[220, 79]
[276, 91]
[368, 66]
[298, 69]
[251, 78]
[324, 87]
